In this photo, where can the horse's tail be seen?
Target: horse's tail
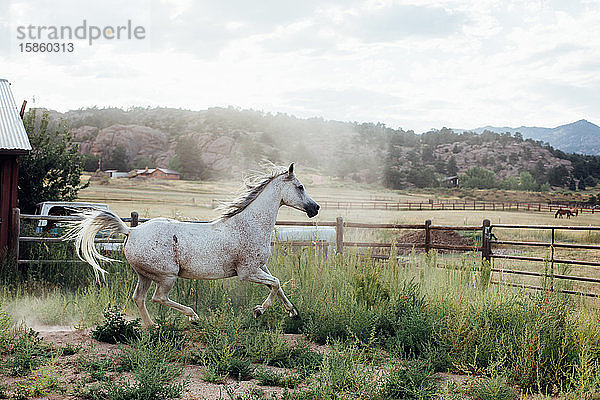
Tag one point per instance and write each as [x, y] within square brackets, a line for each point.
[84, 232]
[556, 215]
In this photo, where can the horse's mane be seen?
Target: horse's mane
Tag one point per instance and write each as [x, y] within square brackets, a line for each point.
[254, 184]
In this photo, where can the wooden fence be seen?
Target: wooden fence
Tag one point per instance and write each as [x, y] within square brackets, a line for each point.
[448, 205]
[485, 246]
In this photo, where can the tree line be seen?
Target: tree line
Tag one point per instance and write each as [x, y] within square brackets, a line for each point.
[370, 152]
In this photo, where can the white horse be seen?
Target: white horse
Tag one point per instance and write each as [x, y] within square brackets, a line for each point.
[236, 244]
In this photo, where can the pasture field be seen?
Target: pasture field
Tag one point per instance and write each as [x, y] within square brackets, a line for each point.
[197, 200]
[415, 326]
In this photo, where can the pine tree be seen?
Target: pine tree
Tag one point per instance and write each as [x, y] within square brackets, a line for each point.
[452, 169]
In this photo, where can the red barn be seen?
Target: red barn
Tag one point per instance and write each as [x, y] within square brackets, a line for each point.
[13, 143]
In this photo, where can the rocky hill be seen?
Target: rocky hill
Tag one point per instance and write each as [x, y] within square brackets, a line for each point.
[505, 159]
[224, 141]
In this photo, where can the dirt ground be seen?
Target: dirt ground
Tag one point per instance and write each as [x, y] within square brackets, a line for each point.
[65, 368]
[67, 372]
[439, 237]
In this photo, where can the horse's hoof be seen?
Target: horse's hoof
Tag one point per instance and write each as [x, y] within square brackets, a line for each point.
[258, 311]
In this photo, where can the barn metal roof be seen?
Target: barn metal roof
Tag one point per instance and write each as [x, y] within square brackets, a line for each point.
[13, 138]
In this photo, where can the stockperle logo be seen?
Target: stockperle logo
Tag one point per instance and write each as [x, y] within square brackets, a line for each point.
[53, 38]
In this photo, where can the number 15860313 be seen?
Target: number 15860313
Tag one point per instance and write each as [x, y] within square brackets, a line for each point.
[46, 47]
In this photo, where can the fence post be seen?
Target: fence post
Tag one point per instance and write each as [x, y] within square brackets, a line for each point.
[339, 235]
[552, 261]
[486, 250]
[134, 219]
[427, 235]
[16, 223]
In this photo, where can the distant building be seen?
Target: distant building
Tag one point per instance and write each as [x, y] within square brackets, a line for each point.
[113, 173]
[160, 173]
[13, 143]
[450, 181]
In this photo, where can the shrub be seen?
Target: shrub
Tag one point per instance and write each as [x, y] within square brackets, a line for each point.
[345, 370]
[410, 380]
[527, 182]
[7, 333]
[41, 386]
[538, 350]
[154, 375]
[27, 353]
[115, 328]
[268, 377]
[478, 178]
[493, 389]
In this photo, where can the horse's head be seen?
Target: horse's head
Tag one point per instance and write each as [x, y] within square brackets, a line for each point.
[294, 194]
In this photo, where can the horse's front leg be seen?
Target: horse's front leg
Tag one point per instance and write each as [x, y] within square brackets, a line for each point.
[262, 276]
[287, 304]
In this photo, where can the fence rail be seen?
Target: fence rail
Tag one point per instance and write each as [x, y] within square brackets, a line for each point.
[486, 247]
[450, 205]
[444, 205]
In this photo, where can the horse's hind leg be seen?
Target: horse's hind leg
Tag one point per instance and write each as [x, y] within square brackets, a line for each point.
[161, 295]
[139, 298]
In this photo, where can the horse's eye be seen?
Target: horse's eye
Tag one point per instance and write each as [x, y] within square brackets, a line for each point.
[301, 188]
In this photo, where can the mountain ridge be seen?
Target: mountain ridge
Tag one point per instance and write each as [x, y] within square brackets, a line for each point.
[581, 136]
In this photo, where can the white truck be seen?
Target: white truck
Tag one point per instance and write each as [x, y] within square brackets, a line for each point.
[49, 208]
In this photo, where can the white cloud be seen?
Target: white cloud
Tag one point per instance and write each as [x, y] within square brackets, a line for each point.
[413, 64]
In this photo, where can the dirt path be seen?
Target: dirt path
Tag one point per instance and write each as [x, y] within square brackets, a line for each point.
[65, 369]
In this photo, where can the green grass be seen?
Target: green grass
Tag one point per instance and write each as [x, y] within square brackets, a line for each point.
[411, 380]
[493, 389]
[268, 377]
[21, 348]
[38, 387]
[115, 328]
[147, 359]
[430, 318]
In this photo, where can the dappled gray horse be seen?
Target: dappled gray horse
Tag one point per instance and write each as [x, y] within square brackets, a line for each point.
[236, 244]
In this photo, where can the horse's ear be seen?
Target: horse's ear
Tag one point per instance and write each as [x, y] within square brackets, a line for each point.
[291, 169]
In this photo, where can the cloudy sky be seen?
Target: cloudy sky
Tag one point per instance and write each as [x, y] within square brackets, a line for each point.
[410, 64]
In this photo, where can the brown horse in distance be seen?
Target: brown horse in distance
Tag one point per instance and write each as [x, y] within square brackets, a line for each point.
[561, 212]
